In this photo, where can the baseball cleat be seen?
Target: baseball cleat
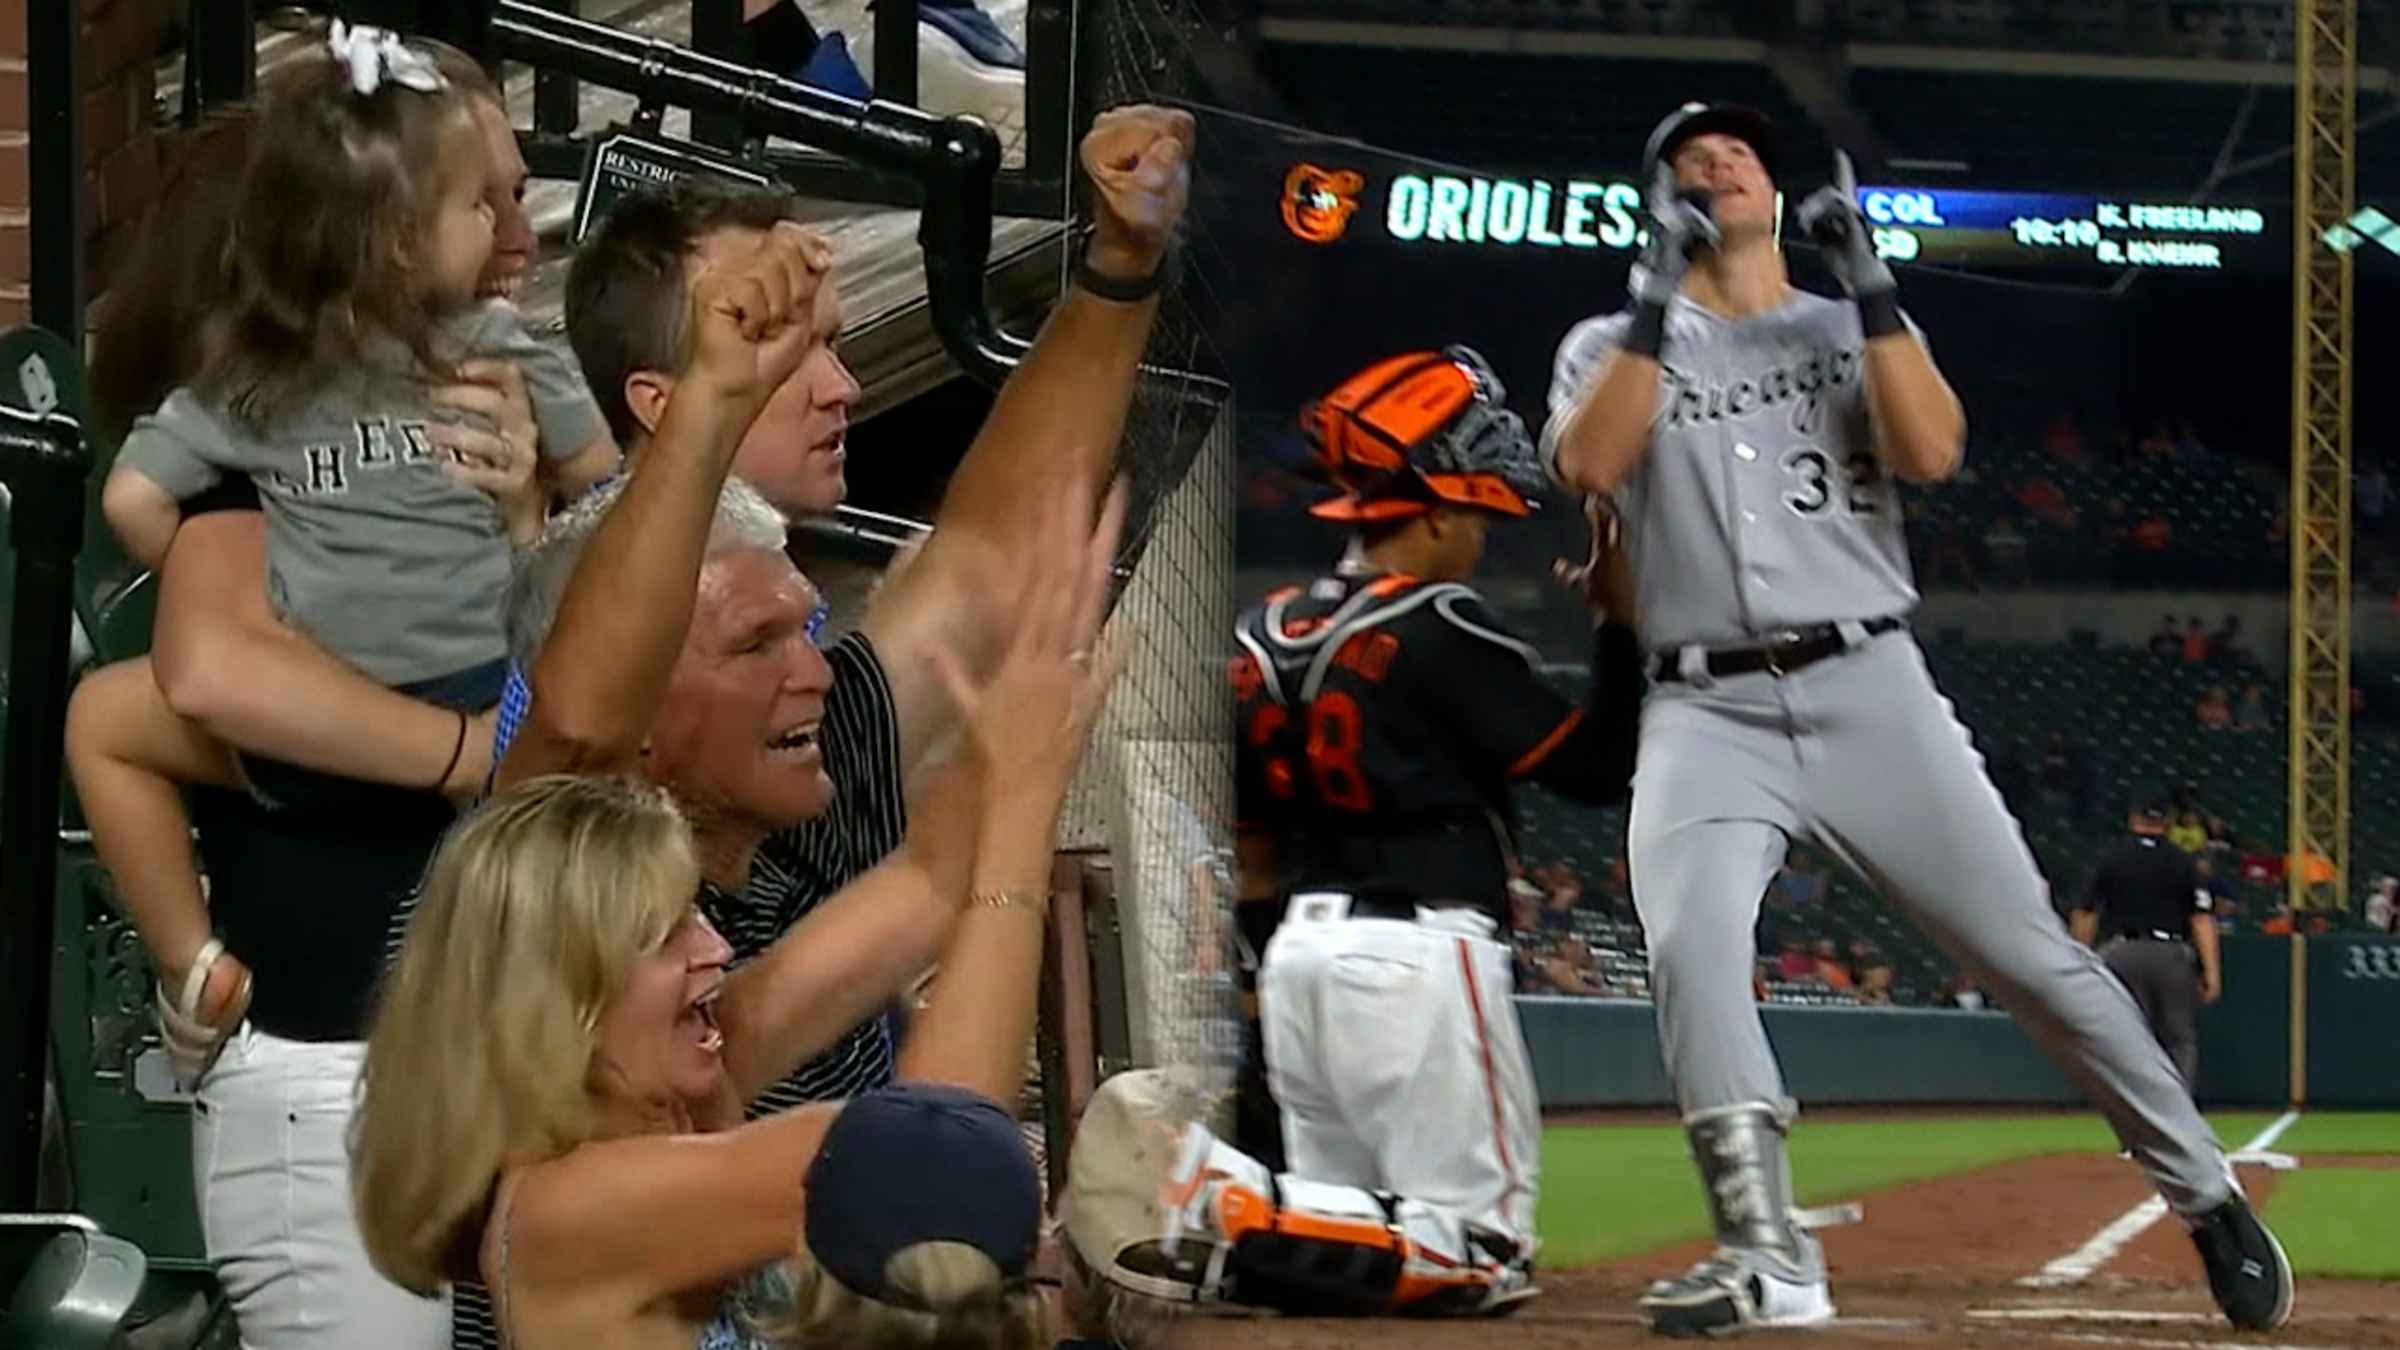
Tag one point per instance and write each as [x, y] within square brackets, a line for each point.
[1734, 1290]
[2247, 1270]
[1511, 1289]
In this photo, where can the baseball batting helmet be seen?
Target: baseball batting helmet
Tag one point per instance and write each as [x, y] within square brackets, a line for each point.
[1413, 432]
[1748, 125]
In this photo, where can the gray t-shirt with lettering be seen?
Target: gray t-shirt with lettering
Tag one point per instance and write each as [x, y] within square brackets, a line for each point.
[372, 549]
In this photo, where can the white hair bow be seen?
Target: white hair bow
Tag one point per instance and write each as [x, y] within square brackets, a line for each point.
[374, 55]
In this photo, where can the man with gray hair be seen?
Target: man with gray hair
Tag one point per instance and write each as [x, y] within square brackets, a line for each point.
[660, 629]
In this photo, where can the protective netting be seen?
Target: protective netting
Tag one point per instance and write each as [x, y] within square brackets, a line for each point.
[1156, 794]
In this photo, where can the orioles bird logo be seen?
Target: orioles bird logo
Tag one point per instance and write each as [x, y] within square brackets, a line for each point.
[1318, 203]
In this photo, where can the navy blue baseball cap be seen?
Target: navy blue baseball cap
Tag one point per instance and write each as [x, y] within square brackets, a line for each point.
[920, 1162]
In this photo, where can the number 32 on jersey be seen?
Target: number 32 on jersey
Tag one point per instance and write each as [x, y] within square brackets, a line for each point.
[1822, 484]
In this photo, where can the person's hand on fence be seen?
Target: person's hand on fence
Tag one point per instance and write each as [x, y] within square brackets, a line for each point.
[1139, 159]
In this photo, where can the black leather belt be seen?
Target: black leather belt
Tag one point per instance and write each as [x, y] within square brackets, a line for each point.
[2151, 935]
[1788, 652]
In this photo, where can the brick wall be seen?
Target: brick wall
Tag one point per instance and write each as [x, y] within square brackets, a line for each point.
[115, 83]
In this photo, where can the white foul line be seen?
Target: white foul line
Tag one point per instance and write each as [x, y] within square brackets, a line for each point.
[2077, 1265]
[2154, 1343]
[2084, 1315]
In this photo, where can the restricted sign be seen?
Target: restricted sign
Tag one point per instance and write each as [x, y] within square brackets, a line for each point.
[623, 162]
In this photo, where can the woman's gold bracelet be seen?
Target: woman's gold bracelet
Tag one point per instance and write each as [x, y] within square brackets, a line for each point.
[1034, 901]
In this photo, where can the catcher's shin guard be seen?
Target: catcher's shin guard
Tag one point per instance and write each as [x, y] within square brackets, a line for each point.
[1767, 1270]
[1165, 1209]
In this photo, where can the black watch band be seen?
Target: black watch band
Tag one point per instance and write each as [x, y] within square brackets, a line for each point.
[1131, 290]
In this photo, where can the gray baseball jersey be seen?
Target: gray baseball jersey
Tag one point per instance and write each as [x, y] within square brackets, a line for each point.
[1760, 504]
[372, 550]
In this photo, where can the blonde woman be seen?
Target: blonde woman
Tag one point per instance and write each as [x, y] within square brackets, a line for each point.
[620, 1201]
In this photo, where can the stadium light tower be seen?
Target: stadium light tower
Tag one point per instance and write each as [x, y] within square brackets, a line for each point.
[2324, 149]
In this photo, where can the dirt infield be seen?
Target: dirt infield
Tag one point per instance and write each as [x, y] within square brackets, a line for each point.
[1934, 1264]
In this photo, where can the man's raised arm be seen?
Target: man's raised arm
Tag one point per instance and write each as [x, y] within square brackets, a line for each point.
[622, 621]
[1056, 423]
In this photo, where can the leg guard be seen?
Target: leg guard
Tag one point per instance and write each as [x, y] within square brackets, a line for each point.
[1767, 1270]
[1739, 1150]
[1317, 1250]
[1159, 1206]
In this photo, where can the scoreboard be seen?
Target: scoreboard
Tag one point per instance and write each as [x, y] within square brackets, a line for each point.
[1977, 228]
[1971, 228]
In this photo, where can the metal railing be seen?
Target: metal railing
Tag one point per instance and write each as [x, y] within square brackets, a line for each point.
[43, 465]
[953, 160]
[882, 152]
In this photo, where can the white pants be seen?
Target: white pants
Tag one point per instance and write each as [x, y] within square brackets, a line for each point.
[271, 1162]
[1395, 1053]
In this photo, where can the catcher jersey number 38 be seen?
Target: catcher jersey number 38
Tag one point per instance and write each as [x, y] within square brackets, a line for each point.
[1380, 721]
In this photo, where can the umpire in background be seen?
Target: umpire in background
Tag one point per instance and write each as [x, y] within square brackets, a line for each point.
[2147, 907]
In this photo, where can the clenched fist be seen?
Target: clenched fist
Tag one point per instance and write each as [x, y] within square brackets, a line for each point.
[755, 318]
[1139, 159]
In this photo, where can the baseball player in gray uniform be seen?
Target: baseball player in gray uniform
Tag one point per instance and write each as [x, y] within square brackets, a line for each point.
[1749, 434]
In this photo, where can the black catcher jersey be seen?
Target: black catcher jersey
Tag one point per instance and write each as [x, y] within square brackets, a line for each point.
[1381, 721]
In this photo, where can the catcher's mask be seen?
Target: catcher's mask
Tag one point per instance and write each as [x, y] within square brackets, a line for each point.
[1418, 431]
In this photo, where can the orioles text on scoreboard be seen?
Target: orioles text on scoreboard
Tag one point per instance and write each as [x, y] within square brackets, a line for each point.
[1908, 224]
[1577, 213]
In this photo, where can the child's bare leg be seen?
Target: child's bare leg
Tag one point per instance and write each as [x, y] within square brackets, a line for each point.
[128, 752]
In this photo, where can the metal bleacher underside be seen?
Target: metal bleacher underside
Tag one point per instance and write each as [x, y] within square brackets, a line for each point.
[888, 342]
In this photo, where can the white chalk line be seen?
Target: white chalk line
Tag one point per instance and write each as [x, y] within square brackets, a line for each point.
[2077, 1266]
[2159, 1343]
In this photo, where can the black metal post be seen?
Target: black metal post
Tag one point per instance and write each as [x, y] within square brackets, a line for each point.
[55, 169]
[1049, 92]
[43, 464]
[457, 22]
[557, 94]
[220, 55]
[717, 32]
[896, 51]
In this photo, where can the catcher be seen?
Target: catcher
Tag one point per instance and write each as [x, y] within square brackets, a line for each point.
[1383, 713]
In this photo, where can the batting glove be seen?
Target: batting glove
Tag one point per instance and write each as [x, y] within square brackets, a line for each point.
[1831, 218]
[1680, 226]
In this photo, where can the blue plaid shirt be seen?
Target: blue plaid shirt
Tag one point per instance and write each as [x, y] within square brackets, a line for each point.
[516, 700]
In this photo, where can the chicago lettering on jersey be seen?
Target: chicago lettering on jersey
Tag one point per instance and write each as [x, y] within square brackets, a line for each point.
[1799, 383]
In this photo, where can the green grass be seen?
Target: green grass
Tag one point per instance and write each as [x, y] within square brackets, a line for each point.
[1614, 1190]
[2339, 1221]
[2340, 1132]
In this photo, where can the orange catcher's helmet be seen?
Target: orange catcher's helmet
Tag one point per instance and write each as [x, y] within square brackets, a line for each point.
[1413, 432]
